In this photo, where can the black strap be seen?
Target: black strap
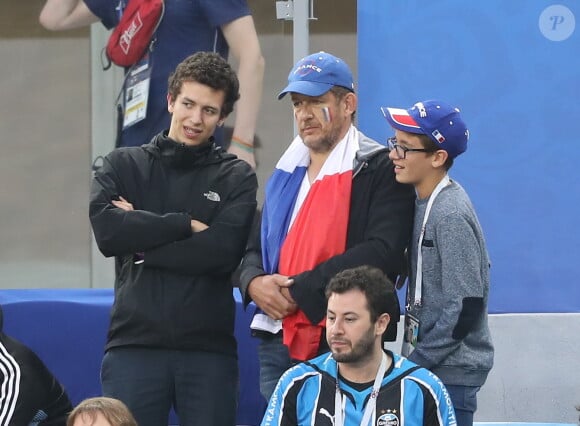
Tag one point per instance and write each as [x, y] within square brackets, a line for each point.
[119, 136]
[105, 60]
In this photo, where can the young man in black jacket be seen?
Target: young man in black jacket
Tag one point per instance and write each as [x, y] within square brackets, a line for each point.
[30, 395]
[331, 204]
[176, 213]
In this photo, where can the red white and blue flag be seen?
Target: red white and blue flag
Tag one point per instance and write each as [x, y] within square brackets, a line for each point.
[316, 233]
[402, 118]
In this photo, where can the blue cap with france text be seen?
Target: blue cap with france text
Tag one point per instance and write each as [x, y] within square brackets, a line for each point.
[436, 119]
[316, 74]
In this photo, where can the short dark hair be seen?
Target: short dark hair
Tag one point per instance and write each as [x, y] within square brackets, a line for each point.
[210, 69]
[430, 144]
[376, 286]
[339, 93]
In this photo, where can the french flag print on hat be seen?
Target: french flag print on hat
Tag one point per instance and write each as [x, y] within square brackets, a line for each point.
[436, 119]
[402, 118]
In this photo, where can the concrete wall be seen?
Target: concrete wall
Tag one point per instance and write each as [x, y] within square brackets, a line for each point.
[535, 377]
[44, 166]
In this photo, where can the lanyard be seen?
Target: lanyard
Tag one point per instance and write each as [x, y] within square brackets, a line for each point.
[120, 8]
[340, 400]
[419, 275]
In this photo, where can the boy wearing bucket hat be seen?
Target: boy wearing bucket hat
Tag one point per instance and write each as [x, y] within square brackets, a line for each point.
[446, 327]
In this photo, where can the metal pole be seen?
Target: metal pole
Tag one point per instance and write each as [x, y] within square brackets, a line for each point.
[300, 12]
[301, 31]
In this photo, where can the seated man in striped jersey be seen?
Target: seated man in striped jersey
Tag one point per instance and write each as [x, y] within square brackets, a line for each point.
[358, 382]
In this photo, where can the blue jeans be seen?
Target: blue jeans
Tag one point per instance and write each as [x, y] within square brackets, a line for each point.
[201, 386]
[274, 361]
[464, 400]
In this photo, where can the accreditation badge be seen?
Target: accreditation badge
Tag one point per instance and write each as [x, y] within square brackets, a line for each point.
[411, 334]
[137, 92]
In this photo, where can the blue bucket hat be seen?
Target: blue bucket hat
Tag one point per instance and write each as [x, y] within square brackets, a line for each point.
[436, 119]
[316, 74]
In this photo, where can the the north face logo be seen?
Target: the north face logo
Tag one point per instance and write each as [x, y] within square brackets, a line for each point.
[212, 196]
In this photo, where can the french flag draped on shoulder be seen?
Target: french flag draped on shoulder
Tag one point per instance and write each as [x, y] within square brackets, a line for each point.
[280, 197]
[300, 232]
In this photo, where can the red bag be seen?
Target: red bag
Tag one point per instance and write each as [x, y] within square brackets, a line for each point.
[134, 34]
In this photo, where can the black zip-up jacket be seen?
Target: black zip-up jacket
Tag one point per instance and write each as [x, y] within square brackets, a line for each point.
[180, 295]
[379, 230]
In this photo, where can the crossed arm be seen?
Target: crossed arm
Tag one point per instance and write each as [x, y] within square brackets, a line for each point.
[196, 225]
[174, 241]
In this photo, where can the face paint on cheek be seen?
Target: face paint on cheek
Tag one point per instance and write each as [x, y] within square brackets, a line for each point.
[326, 114]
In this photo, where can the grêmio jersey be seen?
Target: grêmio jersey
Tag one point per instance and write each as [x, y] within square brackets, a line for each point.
[409, 395]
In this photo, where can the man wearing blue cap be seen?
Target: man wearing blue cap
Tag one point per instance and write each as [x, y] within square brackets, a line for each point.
[332, 203]
[446, 327]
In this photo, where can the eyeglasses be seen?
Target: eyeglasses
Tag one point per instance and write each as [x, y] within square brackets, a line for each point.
[402, 150]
